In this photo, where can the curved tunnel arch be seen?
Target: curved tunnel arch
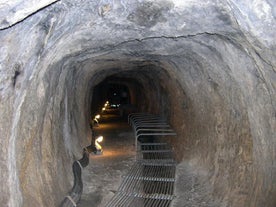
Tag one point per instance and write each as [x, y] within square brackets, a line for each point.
[198, 89]
[214, 86]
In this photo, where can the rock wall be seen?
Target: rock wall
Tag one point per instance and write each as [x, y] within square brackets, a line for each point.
[207, 66]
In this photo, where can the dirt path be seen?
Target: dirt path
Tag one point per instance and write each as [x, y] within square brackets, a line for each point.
[103, 175]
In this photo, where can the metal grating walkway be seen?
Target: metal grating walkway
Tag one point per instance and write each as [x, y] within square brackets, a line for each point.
[150, 182]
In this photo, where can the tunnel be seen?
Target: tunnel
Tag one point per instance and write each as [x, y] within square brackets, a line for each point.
[207, 67]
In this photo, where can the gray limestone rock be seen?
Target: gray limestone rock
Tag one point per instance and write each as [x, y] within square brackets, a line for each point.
[207, 66]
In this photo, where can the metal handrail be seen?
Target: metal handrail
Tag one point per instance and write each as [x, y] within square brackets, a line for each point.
[146, 124]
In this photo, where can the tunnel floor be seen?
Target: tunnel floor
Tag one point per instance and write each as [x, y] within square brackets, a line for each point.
[103, 175]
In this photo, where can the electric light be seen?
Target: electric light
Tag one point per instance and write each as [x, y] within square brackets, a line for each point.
[98, 146]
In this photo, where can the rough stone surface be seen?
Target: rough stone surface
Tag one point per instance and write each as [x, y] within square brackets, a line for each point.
[12, 12]
[207, 66]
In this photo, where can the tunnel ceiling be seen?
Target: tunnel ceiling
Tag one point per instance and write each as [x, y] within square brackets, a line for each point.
[210, 66]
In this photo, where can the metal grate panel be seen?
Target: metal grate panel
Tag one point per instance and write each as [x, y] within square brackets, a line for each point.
[150, 181]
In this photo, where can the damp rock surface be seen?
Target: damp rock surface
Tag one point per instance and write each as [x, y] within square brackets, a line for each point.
[207, 67]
